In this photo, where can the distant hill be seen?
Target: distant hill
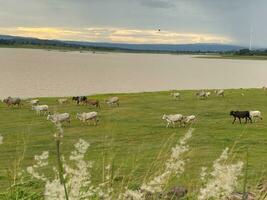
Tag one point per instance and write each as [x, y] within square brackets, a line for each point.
[201, 47]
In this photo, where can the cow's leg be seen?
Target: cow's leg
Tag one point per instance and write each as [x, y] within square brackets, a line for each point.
[167, 124]
[250, 119]
[240, 120]
[234, 120]
[96, 121]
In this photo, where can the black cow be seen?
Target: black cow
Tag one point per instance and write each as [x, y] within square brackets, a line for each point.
[240, 115]
[79, 99]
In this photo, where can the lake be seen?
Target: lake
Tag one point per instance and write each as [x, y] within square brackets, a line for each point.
[33, 73]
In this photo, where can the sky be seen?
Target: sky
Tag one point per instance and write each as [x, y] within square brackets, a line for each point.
[138, 21]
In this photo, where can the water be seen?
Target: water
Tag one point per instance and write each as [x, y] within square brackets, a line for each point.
[33, 73]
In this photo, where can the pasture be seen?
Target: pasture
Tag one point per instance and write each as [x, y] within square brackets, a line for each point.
[134, 137]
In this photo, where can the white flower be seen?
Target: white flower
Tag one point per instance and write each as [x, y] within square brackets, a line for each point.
[203, 173]
[80, 149]
[223, 179]
[132, 195]
[174, 166]
[54, 190]
[34, 174]
[41, 162]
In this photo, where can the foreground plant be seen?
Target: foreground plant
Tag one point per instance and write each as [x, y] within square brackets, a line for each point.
[72, 178]
[174, 167]
[221, 182]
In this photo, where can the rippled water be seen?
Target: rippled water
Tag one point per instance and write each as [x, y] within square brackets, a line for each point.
[29, 72]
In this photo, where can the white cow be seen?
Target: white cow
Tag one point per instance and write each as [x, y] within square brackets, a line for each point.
[202, 94]
[219, 93]
[176, 95]
[255, 114]
[59, 118]
[40, 109]
[172, 119]
[90, 116]
[34, 102]
[189, 119]
[62, 101]
[113, 101]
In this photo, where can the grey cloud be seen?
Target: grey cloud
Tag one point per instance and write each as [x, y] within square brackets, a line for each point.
[158, 3]
[229, 18]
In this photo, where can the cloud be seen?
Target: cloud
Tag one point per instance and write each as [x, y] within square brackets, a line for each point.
[219, 18]
[158, 3]
[113, 34]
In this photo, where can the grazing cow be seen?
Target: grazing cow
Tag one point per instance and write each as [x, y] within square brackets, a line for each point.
[113, 101]
[176, 95]
[59, 118]
[12, 101]
[202, 94]
[33, 102]
[189, 119]
[90, 116]
[240, 115]
[62, 101]
[219, 93]
[79, 99]
[40, 109]
[92, 102]
[172, 119]
[255, 114]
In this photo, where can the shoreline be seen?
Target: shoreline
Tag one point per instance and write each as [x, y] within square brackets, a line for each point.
[135, 93]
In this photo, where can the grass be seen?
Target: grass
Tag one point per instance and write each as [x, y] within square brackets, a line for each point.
[134, 134]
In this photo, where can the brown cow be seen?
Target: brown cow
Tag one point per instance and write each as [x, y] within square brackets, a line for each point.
[12, 101]
[92, 102]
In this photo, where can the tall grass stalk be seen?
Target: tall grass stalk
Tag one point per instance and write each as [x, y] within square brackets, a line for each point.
[244, 196]
[60, 168]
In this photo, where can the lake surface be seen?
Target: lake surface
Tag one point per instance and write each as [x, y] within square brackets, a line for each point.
[32, 73]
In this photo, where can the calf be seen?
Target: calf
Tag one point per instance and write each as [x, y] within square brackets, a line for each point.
[189, 119]
[240, 115]
[255, 114]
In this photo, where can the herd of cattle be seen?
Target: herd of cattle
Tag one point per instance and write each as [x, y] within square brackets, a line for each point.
[64, 117]
[171, 119]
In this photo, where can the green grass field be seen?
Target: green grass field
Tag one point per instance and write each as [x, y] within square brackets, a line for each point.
[133, 134]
